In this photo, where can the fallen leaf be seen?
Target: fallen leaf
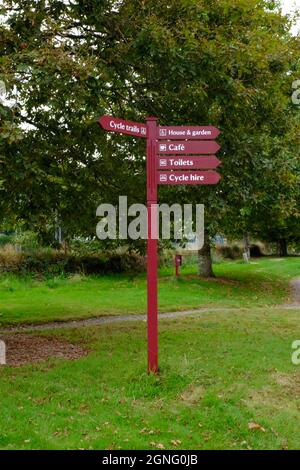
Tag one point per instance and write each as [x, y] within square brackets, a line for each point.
[146, 431]
[175, 442]
[157, 445]
[255, 427]
[160, 446]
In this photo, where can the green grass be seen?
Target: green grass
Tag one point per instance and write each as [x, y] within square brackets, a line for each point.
[218, 374]
[263, 282]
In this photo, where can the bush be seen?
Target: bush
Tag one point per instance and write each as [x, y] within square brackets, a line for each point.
[55, 263]
[10, 259]
[27, 240]
[43, 263]
[84, 247]
[229, 251]
[128, 262]
[85, 265]
[116, 263]
[255, 251]
[5, 239]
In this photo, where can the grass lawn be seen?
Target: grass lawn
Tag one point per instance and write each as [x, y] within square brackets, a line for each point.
[219, 374]
[263, 282]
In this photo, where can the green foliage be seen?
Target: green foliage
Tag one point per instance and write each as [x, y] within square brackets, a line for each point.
[233, 251]
[28, 241]
[229, 63]
[51, 262]
[5, 239]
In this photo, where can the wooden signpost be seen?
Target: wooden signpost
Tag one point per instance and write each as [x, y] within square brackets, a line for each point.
[182, 151]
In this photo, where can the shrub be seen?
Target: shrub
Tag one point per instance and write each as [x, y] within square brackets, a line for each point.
[55, 262]
[128, 262]
[10, 259]
[229, 251]
[44, 263]
[5, 239]
[255, 251]
[27, 240]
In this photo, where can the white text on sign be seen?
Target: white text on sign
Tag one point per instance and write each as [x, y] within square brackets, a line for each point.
[188, 163]
[120, 126]
[200, 147]
[188, 132]
[188, 177]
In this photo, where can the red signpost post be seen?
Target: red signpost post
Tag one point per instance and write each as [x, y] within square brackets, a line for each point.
[152, 302]
[176, 142]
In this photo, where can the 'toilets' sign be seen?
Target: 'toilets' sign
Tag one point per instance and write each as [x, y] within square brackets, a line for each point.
[188, 163]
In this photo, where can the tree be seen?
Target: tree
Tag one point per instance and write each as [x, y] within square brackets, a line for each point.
[228, 63]
[272, 214]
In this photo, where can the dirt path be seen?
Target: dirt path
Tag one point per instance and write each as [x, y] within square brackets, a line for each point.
[295, 303]
[104, 320]
[21, 349]
[69, 324]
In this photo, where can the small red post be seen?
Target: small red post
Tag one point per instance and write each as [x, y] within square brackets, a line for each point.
[152, 264]
[178, 263]
[176, 267]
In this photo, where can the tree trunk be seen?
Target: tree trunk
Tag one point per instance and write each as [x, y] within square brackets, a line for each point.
[204, 258]
[247, 245]
[282, 249]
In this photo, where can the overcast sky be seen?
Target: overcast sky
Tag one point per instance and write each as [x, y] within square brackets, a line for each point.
[289, 6]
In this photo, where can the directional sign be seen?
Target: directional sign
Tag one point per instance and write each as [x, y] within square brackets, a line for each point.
[188, 177]
[176, 148]
[113, 124]
[185, 147]
[188, 132]
[187, 163]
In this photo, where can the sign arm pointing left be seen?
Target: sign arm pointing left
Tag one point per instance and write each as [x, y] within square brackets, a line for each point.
[112, 124]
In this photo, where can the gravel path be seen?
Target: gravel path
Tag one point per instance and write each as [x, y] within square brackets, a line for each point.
[127, 318]
[104, 320]
[295, 286]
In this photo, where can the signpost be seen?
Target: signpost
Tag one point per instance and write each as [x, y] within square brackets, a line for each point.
[187, 163]
[188, 132]
[113, 124]
[188, 177]
[178, 141]
[180, 147]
